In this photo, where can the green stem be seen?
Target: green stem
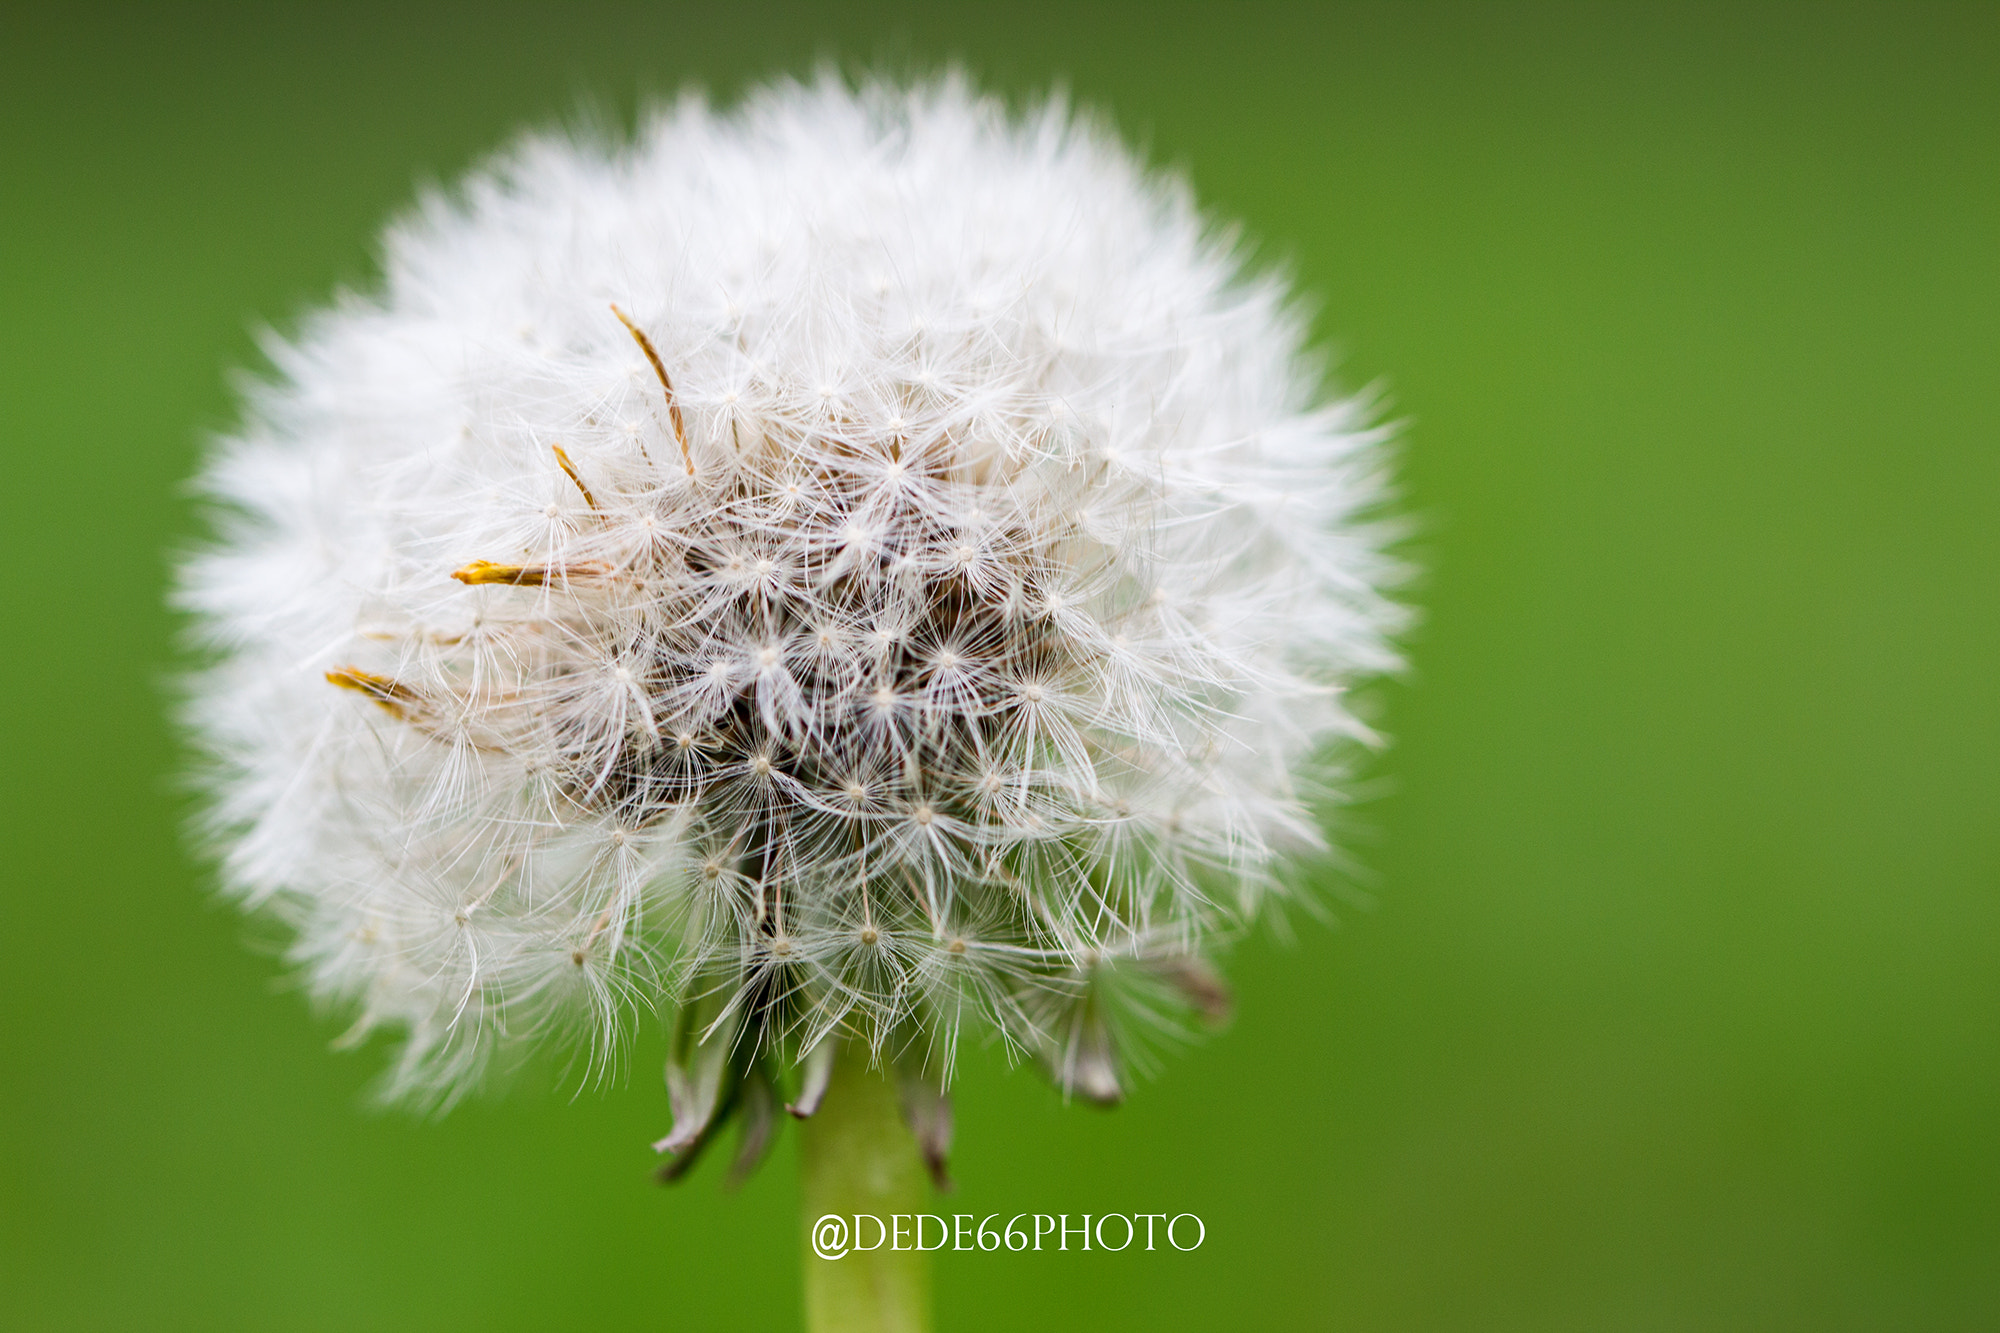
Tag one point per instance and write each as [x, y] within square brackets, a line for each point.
[858, 1156]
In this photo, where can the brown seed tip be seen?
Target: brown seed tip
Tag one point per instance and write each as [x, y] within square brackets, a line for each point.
[392, 694]
[529, 576]
[486, 571]
[666, 385]
[562, 461]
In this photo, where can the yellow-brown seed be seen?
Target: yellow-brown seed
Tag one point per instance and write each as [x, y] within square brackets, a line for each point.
[392, 694]
[529, 576]
[660, 369]
[562, 461]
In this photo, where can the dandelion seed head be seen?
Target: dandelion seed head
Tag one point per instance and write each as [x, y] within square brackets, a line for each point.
[893, 521]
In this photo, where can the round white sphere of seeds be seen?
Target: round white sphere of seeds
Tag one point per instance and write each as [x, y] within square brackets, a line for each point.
[863, 566]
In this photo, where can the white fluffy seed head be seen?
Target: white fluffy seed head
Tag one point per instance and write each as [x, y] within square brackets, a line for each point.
[864, 522]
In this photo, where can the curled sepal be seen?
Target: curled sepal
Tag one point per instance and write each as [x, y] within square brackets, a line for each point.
[927, 1111]
[1077, 1044]
[702, 1077]
[815, 1072]
[1196, 982]
[1091, 1063]
[757, 1108]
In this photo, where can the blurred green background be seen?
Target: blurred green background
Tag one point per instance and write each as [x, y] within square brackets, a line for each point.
[1676, 1004]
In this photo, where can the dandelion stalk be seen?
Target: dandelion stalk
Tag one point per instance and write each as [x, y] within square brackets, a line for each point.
[857, 1156]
